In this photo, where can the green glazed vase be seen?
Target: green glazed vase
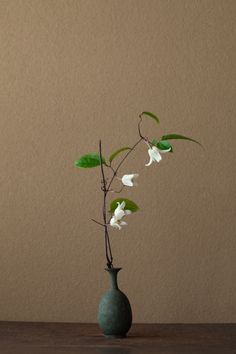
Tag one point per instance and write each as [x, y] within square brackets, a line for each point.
[114, 312]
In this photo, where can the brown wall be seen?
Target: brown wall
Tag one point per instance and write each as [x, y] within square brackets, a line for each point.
[76, 71]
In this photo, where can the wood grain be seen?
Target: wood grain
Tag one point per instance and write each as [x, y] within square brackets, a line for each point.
[71, 338]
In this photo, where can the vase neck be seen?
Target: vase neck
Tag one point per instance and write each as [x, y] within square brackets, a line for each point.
[113, 277]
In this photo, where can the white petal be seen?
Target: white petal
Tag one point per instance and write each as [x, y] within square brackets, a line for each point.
[113, 220]
[150, 162]
[128, 212]
[123, 223]
[135, 175]
[122, 205]
[155, 154]
[119, 214]
[114, 223]
[158, 157]
[127, 180]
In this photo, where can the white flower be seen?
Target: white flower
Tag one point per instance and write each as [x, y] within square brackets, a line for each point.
[116, 221]
[119, 212]
[155, 155]
[128, 180]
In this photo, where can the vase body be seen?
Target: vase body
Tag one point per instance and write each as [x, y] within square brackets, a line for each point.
[114, 313]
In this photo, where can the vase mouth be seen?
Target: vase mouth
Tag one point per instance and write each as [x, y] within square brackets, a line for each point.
[114, 269]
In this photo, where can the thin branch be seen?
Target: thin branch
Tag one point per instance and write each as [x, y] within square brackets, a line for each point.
[109, 246]
[110, 166]
[104, 189]
[113, 191]
[97, 222]
[108, 260]
[139, 131]
[101, 164]
[139, 127]
[121, 162]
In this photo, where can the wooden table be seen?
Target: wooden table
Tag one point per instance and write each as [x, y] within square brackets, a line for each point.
[73, 338]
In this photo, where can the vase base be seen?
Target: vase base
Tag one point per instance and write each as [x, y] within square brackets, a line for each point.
[115, 336]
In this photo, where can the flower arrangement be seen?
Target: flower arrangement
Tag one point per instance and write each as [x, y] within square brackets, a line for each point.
[121, 208]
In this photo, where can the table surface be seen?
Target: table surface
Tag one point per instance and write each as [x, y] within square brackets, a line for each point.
[71, 338]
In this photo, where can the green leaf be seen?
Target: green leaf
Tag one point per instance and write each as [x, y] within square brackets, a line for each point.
[117, 152]
[89, 160]
[162, 145]
[129, 205]
[151, 115]
[178, 136]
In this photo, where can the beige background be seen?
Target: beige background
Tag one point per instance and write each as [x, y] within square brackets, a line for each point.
[76, 71]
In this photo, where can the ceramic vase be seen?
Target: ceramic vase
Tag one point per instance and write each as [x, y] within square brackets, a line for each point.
[114, 313]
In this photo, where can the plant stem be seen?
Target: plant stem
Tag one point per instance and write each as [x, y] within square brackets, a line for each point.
[121, 162]
[97, 222]
[104, 189]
